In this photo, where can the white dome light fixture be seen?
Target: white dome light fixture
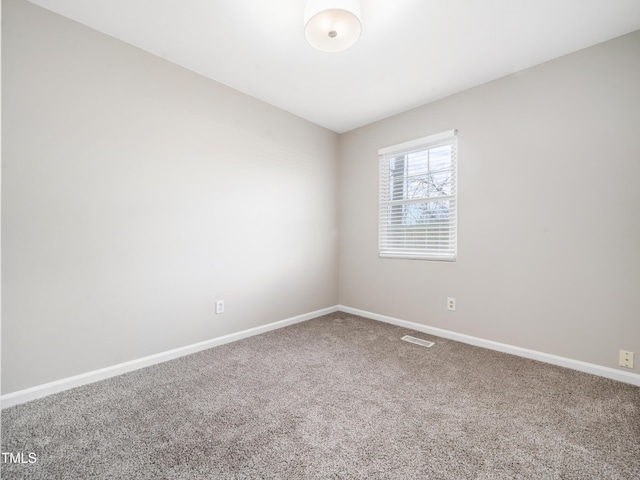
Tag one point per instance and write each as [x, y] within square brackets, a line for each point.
[332, 25]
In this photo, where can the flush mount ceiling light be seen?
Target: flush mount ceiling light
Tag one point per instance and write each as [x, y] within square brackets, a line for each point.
[332, 25]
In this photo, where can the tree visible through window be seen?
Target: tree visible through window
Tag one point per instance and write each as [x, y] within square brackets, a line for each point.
[418, 199]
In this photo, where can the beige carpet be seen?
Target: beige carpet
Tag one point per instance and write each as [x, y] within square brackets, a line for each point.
[335, 397]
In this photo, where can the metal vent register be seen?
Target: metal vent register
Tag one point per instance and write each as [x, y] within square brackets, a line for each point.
[417, 341]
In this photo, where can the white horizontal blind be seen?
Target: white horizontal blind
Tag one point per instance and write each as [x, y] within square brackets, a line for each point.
[418, 198]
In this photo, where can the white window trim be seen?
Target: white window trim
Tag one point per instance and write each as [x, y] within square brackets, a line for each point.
[431, 141]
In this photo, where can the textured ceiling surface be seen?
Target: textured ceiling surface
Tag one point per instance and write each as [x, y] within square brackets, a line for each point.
[411, 52]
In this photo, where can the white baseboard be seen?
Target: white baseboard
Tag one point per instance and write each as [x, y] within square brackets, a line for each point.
[612, 373]
[40, 391]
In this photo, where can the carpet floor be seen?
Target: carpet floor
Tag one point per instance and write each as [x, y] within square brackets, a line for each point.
[336, 397]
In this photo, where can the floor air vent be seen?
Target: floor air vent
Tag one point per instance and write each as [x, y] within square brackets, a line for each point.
[417, 341]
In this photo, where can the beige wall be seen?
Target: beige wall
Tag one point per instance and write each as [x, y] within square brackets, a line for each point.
[549, 210]
[135, 193]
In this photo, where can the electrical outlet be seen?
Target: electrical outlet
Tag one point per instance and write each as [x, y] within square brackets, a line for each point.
[451, 304]
[626, 359]
[219, 306]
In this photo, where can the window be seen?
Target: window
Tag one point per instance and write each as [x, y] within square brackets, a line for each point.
[418, 193]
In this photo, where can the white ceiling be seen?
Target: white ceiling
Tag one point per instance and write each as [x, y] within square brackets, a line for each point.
[411, 51]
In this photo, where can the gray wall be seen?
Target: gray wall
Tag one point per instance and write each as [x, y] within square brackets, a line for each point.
[135, 193]
[549, 210]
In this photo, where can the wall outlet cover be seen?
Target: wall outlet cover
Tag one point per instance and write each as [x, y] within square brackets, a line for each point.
[626, 359]
[451, 304]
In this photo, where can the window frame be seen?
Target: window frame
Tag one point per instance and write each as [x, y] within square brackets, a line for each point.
[386, 249]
